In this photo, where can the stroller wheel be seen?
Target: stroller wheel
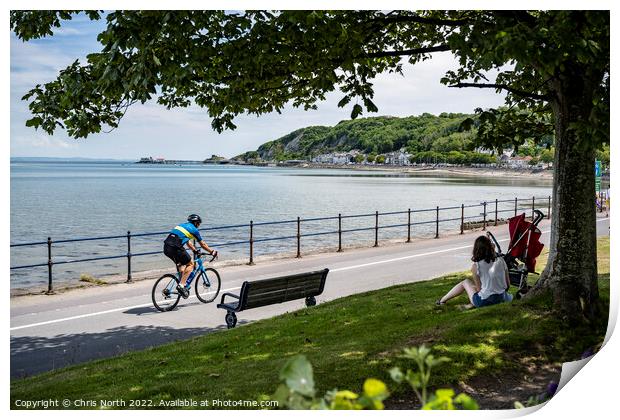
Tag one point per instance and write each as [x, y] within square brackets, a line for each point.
[522, 291]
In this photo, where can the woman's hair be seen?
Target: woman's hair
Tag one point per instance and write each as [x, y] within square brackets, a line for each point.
[483, 250]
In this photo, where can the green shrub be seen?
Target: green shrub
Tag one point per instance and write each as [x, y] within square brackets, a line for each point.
[298, 392]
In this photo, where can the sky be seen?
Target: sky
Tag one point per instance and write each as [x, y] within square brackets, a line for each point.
[186, 133]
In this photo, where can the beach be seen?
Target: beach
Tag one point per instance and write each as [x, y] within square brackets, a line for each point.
[429, 170]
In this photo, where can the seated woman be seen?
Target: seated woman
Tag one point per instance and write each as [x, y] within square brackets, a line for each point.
[490, 277]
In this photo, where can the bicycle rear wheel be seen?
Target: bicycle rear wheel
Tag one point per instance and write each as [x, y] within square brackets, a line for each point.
[208, 285]
[165, 295]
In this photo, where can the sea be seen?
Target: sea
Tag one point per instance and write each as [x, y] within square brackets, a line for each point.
[67, 200]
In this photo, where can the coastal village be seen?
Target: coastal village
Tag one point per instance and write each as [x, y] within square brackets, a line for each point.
[506, 160]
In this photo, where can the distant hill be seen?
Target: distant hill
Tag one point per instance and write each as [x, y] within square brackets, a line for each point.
[64, 159]
[375, 135]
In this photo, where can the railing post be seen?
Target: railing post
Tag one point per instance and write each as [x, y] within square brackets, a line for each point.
[376, 228]
[251, 243]
[549, 208]
[484, 216]
[462, 218]
[128, 257]
[495, 212]
[533, 198]
[339, 232]
[437, 223]
[298, 237]
[516, 206]
[50, 290]
[408, 225]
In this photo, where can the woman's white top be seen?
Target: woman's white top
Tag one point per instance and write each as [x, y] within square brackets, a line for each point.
[492, 277]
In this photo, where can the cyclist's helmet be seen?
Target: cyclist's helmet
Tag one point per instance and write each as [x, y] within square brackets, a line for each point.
[194, 218]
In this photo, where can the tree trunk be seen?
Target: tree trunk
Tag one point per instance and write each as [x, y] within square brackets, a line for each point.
[571, 271]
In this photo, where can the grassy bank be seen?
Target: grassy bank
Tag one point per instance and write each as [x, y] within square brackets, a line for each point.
[347, 340]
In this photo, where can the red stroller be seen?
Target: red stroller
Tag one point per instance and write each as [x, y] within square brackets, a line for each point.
[523, 249]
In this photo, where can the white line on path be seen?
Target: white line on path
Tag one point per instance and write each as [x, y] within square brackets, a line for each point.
[54, 321]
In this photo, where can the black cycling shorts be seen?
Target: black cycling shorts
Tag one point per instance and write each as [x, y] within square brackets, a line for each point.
[173, 249]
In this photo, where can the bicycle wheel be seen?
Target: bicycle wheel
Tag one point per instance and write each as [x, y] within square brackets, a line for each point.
[165, 295]
[208, 285]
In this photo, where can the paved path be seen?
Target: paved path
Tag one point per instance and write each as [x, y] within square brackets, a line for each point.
[49, 332]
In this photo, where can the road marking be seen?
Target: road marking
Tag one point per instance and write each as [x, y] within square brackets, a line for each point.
[352, 267]
[71, 318]
[54, 321]
[418, 255]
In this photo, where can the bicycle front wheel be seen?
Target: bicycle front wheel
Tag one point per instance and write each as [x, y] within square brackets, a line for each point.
[208, 285]
[165, 295]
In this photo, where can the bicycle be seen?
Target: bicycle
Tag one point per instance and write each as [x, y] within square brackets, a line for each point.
[207, 283]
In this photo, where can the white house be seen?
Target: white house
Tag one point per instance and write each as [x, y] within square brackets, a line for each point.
[519, 161]
[399, 158]
[335, 158]
[324, 158]
[483, 150]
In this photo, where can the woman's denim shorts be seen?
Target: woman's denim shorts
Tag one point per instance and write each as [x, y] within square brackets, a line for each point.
[491, 300]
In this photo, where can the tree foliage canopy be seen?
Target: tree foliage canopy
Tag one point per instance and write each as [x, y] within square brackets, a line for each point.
[258, 61]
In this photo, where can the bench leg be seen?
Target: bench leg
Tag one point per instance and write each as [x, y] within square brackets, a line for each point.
[231, 319]
[310, 301]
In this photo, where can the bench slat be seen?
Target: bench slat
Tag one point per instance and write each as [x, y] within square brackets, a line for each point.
[264, 298]
[265, 292]
[269, 288]
[285, 281]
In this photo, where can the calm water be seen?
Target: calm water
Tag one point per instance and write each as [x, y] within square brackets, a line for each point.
[74, 200]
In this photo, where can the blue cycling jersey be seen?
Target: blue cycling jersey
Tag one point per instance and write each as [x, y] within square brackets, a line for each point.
[186, 231]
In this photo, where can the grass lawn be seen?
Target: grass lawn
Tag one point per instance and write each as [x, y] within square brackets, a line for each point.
[347, 340]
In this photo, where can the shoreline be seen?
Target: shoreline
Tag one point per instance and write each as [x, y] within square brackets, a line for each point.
[465, 171]
[153, 274]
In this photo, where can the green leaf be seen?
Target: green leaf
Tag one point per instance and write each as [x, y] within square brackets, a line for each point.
[34, 122]
[297, 373]
[441, 400]
[345, 100]
[343, 400]
[357, 110]
[346, 394]
[444, 393]
[374, 388]
[414, 378]
[281, 395]
[370, 106]
[467, 402]
[397, 374]
[466, 124]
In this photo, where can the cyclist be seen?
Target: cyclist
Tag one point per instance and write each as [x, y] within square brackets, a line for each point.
[174, 248]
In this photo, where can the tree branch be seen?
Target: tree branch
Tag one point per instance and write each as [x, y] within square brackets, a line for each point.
[504, 87]
[517, 15]
[425, 20]
[413, 51]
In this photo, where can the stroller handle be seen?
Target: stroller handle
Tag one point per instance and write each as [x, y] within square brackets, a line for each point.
[492, 237]
[539, 215]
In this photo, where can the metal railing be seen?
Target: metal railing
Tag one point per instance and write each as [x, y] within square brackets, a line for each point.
[252, 240]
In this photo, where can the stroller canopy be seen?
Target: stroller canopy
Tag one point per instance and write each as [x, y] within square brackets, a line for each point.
[524, 241]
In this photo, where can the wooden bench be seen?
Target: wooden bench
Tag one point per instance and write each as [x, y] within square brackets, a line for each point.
[255, 294]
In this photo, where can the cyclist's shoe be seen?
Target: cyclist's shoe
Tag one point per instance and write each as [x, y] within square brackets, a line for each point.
[183, 291]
